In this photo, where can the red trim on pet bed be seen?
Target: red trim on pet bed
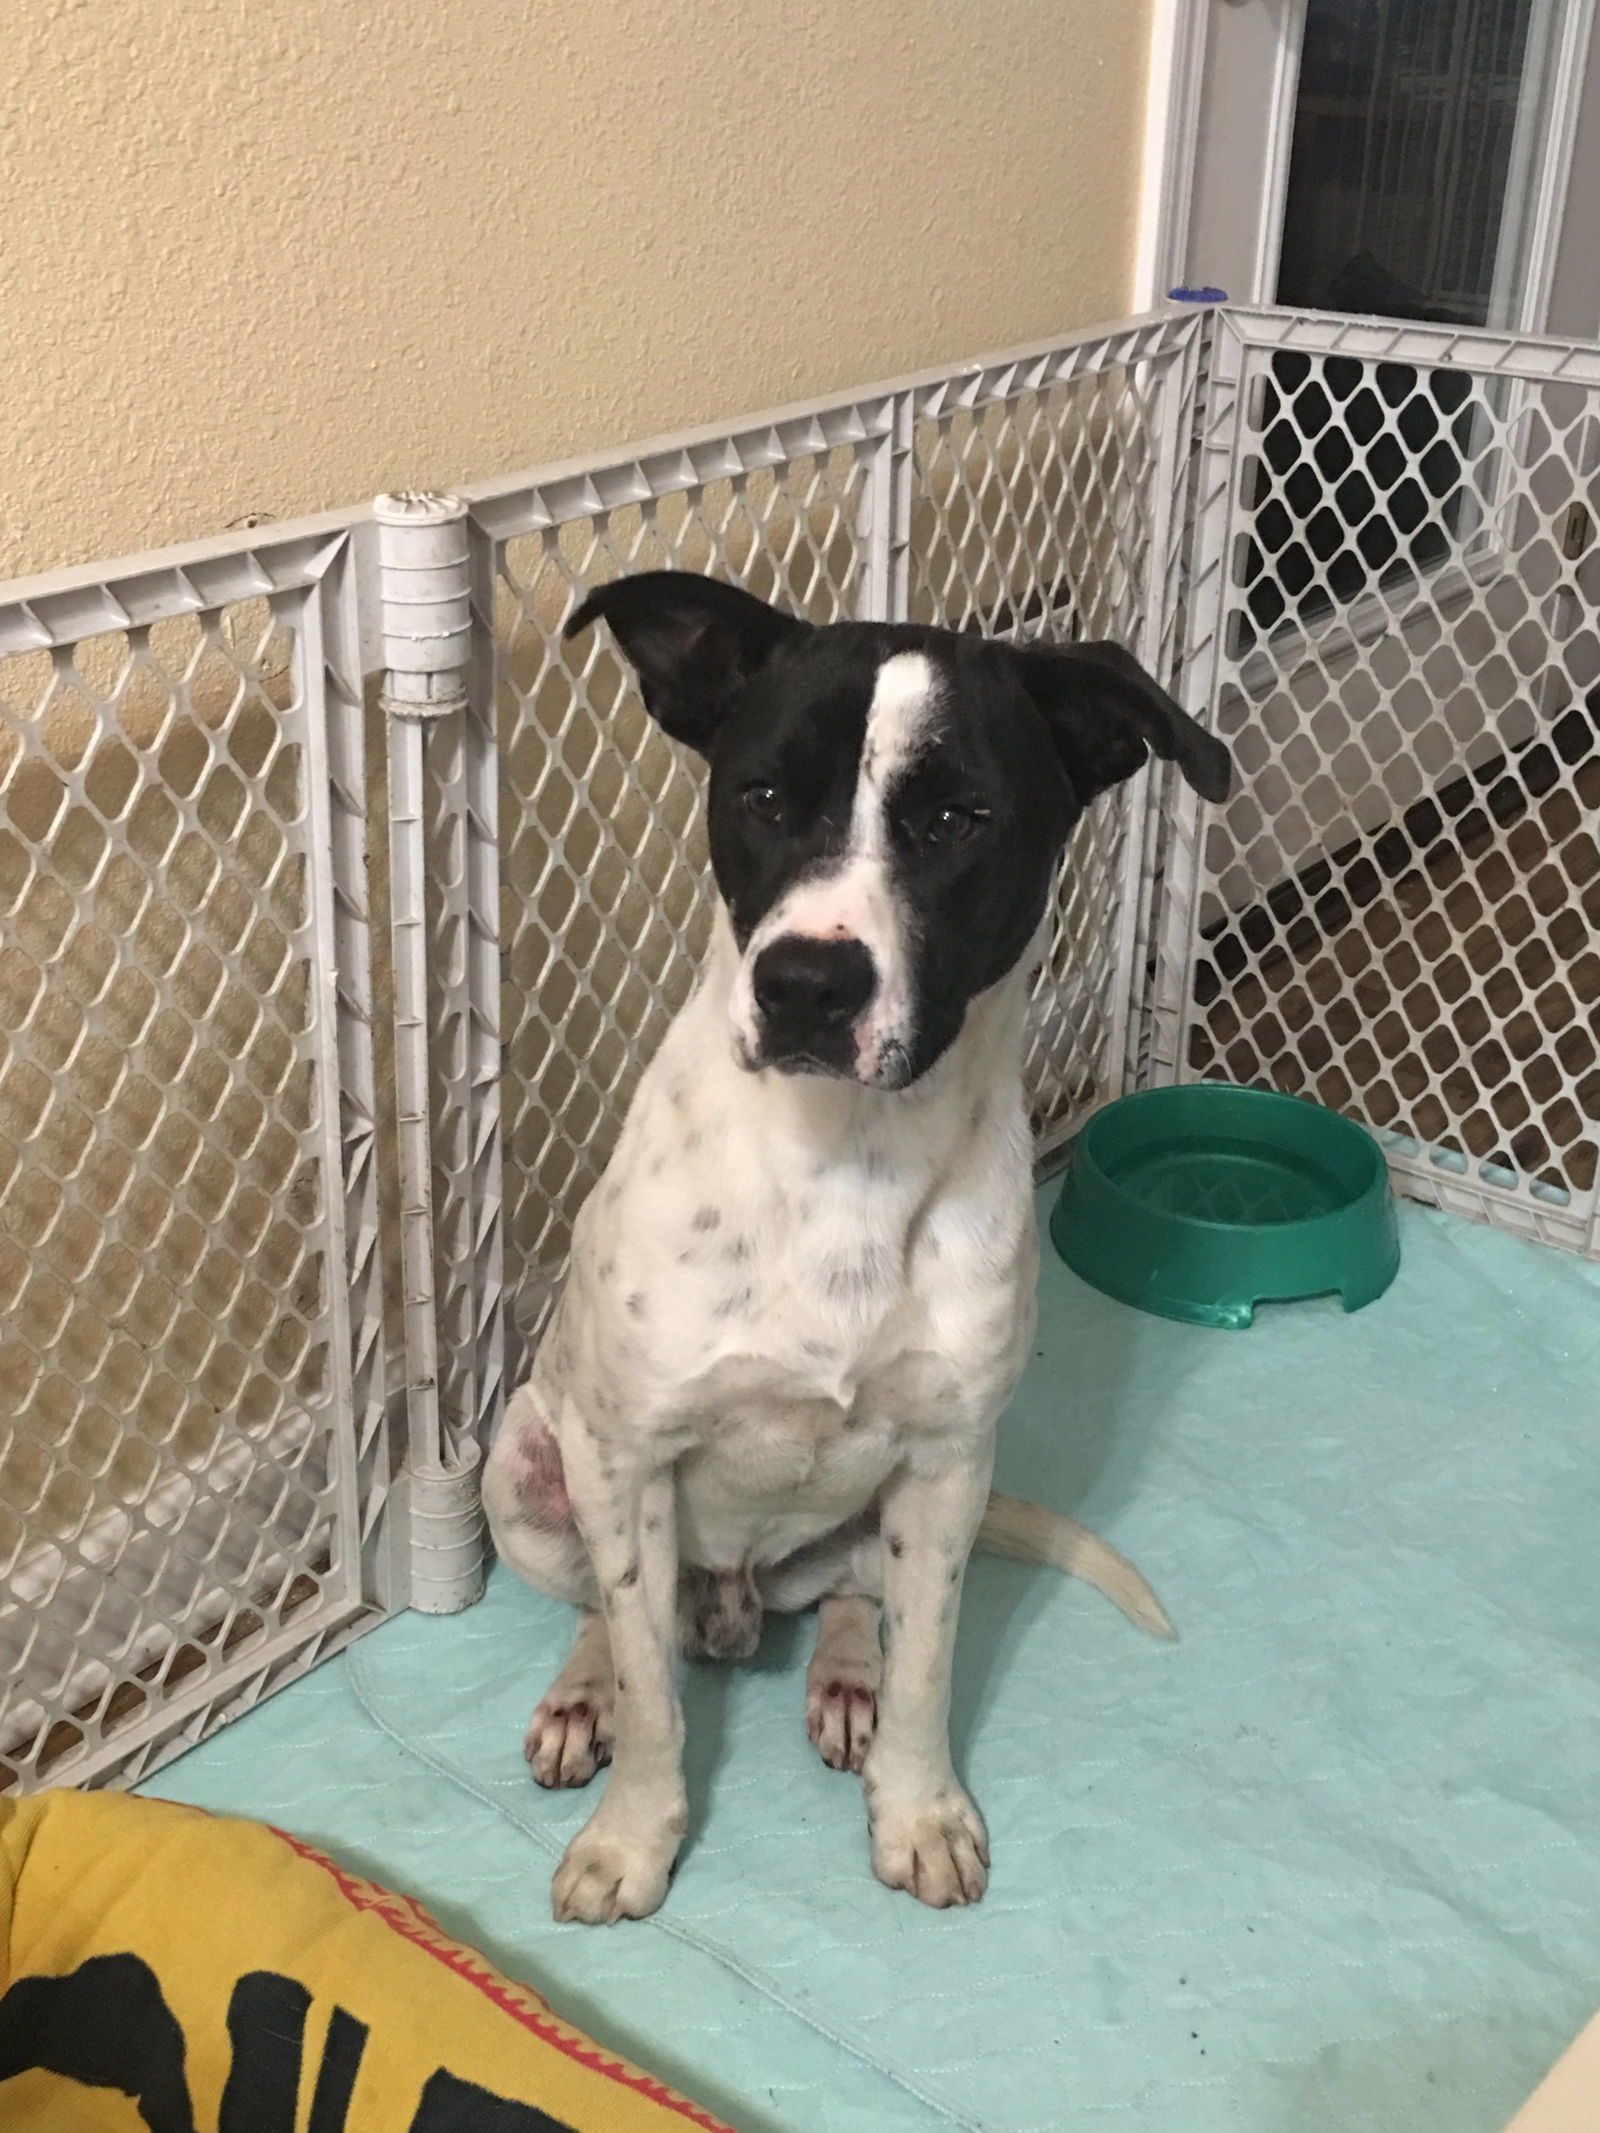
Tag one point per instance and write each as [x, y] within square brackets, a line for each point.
[406, 1917]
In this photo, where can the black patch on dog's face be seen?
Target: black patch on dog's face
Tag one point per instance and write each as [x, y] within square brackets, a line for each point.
[973, 819]
[795, 733]
[973, 806]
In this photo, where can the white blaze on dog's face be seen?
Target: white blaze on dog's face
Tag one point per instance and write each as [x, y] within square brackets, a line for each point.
[888, 805]
[843, 929]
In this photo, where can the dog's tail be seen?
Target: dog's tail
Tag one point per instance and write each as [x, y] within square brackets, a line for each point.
[1029, 1534]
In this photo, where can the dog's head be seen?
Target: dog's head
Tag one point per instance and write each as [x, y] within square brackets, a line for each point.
[888, 804]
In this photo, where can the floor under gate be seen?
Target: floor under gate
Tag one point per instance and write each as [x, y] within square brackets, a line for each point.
[1332, 1860]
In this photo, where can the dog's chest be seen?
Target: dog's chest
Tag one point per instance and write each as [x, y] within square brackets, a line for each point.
[797, 1334]
[792, 1436]
[774, 1466]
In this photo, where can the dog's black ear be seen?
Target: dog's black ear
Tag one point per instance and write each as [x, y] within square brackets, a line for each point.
[1105, 714]
[693, 642]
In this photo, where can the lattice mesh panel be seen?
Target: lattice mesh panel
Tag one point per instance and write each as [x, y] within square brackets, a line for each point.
[1031, 514]
[606, 900]
[1402, 902]
[1033, 517]
[165, 1370]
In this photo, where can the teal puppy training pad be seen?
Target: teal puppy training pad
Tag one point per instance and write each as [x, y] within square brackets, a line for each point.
[1332, 1860]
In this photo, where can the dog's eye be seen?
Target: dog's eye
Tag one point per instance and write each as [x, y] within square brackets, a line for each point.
[953, 825]
[765, 802]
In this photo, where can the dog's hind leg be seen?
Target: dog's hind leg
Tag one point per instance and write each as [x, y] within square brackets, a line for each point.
[843, 1680]
[842, 1576]
[570, 1734]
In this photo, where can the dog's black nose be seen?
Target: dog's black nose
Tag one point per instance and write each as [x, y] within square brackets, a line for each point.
[801, 983]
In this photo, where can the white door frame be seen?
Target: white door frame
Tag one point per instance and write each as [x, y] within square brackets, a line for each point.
[1180, 31]
[1171, 135]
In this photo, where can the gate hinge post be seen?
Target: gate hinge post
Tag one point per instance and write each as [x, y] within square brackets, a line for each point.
[424, 590]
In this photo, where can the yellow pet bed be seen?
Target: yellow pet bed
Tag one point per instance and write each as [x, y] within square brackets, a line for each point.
[165, 1970]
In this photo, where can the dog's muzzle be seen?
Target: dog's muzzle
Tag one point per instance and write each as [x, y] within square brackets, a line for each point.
[810, 996]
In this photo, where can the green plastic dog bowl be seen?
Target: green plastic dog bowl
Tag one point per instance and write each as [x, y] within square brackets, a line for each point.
[1200, 1203]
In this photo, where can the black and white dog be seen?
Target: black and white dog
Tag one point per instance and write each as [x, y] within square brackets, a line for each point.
[801, 1296]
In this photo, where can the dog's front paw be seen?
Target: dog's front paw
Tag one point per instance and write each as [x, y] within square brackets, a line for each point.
[613, 1870]
[936, 1849]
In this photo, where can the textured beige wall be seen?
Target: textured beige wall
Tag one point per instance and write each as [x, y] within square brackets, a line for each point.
[271, 257]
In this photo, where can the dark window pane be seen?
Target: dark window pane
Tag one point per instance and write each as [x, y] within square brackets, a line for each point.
[1402, 143]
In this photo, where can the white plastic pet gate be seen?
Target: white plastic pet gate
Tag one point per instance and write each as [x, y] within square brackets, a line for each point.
[1394, 620]
[194, 1465]
[268, 1257]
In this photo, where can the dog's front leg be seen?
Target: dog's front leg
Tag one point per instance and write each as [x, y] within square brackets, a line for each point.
[619, 1863]
[926, 1834]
